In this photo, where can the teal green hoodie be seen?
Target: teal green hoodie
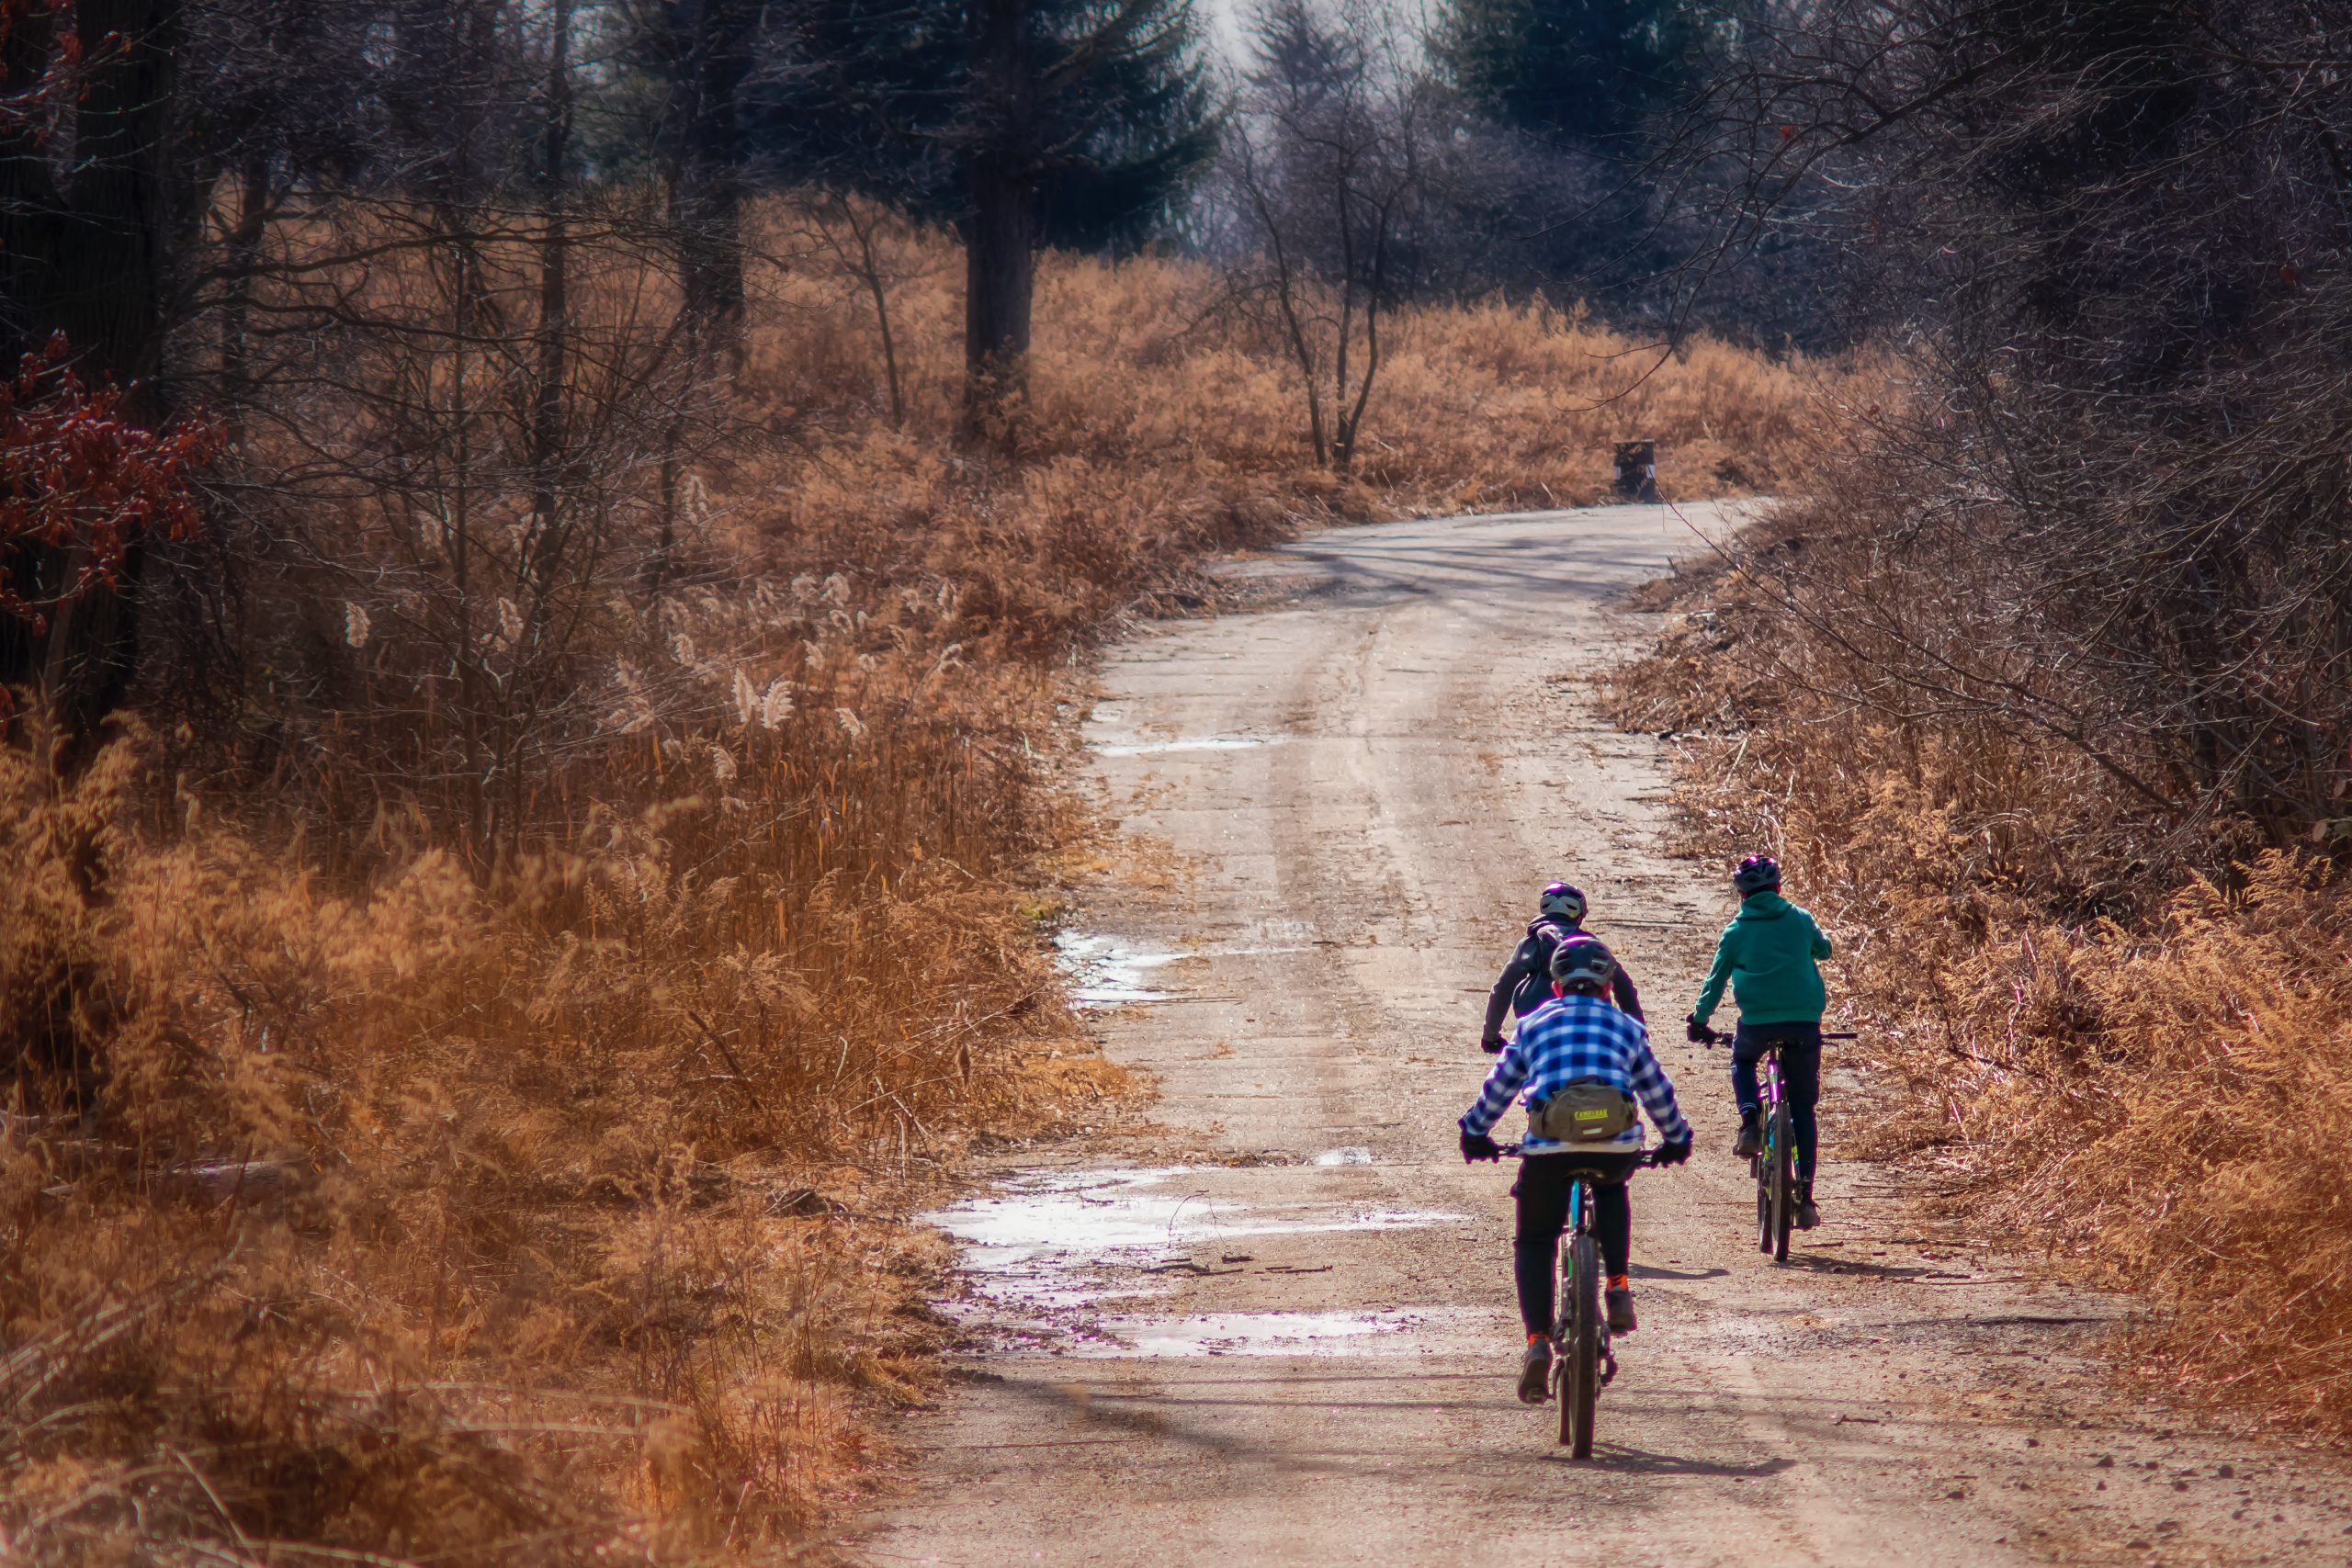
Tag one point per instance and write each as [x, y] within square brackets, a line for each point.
[1768, 952]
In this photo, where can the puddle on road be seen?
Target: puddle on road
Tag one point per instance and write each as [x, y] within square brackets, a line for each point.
[1043, 1255]
[1085, 1214]
[1108, 971]
[1195, 743]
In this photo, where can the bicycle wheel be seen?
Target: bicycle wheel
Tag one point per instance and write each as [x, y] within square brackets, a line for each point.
[1783, 1162]
[1580, 1345]
[1760, 1166]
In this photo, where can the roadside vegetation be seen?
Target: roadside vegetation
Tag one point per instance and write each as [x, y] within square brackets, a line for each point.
[529, 806]
[2038, 679]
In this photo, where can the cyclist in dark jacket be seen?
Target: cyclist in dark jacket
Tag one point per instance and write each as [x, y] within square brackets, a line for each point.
[1526, 982]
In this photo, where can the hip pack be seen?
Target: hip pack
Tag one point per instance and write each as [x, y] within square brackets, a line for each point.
[1585, 1111]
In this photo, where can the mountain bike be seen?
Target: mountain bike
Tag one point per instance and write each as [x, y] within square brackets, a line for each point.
[1775, 1168]
[1582, 1361]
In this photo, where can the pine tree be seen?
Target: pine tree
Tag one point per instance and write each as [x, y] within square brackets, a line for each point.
[1023, 122]
[1590, 73]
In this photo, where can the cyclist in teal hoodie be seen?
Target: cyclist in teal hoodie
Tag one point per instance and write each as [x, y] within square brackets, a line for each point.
[1770, 955]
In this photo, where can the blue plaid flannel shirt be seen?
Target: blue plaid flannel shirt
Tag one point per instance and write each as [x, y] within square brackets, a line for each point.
[1573, 1037]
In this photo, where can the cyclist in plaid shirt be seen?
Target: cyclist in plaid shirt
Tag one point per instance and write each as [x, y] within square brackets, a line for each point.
[1577, 1036]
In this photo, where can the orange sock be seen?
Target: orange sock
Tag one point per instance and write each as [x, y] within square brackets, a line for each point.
[1533, 1338]
[1619, 1282]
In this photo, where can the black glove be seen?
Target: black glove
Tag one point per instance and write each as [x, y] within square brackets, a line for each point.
[1696, 1032]
[1491, 1044]
[1477, 1145]
[1671, 1154]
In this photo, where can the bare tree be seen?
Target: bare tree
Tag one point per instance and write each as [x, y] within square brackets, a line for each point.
[861, 235]
[2111, 241]
[1329, 190]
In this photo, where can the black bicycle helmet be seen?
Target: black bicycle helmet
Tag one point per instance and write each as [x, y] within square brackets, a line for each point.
[1755, 874]
[1582, 960]
[1563, 900]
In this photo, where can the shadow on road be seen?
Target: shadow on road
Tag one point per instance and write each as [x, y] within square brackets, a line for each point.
[1641, 1461]
[1853, 1270]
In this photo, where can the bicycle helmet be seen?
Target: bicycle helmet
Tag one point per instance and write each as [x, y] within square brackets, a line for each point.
[1563, 901]
[1583, 961]
[1755, 874]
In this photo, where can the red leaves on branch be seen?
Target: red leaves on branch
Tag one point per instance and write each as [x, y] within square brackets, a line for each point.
[61, 79]
[78, 478]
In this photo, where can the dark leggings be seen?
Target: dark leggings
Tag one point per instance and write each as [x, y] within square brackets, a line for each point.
[1800, 1046]
[1542, 1188]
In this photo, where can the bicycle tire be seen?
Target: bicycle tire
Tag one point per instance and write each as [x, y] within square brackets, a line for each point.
[1759, 1165]
[1783, 1181]
[1580, 1384]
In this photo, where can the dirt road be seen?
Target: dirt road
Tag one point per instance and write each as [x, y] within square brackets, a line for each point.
[1286, 1336]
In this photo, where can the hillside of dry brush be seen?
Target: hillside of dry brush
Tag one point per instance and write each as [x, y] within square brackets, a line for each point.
[491, 1008]
[2112, 1024]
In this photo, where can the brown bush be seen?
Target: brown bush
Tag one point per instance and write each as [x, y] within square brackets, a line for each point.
[2117, 1030]
[392, 1176]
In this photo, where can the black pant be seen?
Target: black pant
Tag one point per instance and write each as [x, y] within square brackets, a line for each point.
[1800, 1046]
[1542, 1188]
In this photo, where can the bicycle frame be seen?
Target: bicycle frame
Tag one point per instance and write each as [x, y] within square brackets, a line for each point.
[1774, 1168]
[1579, 1224]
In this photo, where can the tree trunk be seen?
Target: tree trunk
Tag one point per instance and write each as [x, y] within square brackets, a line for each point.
[714, 42]
[1000, 232]
[86, 226]
[546, 543]
[867, 266]
[244, 260]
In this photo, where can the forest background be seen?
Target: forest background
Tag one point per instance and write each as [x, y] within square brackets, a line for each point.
[548, 545]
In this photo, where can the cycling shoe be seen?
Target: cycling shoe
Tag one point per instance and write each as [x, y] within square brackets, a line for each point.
[1535, 1373]
[1751, 1136]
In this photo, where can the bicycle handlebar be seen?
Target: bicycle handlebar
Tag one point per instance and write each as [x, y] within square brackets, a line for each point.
[1717, 1037]
[1512, 1151]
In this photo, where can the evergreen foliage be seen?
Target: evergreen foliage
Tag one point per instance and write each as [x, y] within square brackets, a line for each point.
[879, 99]
[1594, 73]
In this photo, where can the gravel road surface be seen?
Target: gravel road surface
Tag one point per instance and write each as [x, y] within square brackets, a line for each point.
[1280, 1330]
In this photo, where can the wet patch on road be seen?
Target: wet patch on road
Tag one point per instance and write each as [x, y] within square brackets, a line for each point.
[1045, 1255]
[1190, 743]
[1108, 971]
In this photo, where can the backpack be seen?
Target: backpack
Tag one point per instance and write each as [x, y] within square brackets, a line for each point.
[1583, 1112]
[1548, 930]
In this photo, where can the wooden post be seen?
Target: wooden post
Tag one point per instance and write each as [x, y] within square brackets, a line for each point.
[1637, 471]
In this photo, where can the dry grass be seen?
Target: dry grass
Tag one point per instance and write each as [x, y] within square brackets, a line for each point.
[366, 1202]
[2120, 1037]
[1137, 366]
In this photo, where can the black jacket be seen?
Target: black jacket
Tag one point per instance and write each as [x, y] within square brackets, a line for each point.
[1526, 982]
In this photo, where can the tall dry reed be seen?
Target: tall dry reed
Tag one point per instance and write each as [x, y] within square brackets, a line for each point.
[2116, 1035]
[372, 1198]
